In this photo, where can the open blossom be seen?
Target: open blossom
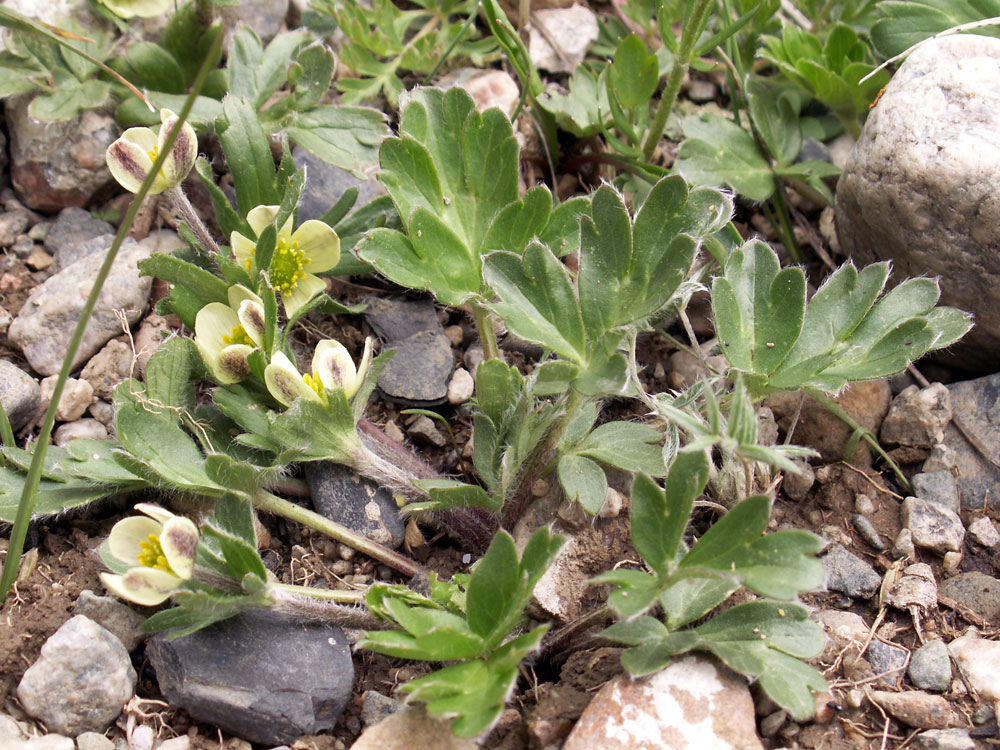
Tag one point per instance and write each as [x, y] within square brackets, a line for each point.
[332, 368]
[140, 8]
[162, 549]
[131, 157]
[226, 334]
[298, 256]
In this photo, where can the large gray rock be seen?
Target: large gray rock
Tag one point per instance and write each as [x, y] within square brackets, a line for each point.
[20, 394]
[258, 675]
[326, 183]
[933, 526]
[71, 228]
[977, 591]
[920, 188]
[930, 667]
[977, 405]
[43, 327]
[849, 574]
[58, 164]
[939, 487]
[81, 680]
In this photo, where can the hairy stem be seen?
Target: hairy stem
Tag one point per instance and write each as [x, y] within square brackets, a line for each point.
[183, 206]
[264, 500]
[487, 336]
[323, 606]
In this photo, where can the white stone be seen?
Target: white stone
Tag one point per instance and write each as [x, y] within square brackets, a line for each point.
[979, 660]
[76, 397]
[461, 387]
[932, 525]
[693, 704]
[983, 531]
[46, 742]
[81, 428]
[574, 29]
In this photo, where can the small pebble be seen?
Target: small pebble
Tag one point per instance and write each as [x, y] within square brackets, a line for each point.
[22, 246]
[863, 504]
[455, 335]
[460, 387]
[393, 432]
[982, 714]
[984, 532]
[423, 427]
[466, 558]
[951, 561]
[770, 725]
[473, 358]
[867, 531]
[903, 547]
[38, 259]
[345, 552]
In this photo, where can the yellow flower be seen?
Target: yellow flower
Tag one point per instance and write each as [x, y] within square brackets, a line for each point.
[227, 334]
[298, 256]
[141, 8]
[332, 368]
[162, 547]
[131, 157]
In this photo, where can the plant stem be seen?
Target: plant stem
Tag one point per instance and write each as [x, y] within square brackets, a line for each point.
[487, 336]
[682, 61]
[324, 606]
[264, 500]
[785, 222]
[183, 206]
[205, 12]
[540, 459]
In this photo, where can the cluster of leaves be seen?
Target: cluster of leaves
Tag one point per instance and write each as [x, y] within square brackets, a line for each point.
[383, 40]
[467, 619]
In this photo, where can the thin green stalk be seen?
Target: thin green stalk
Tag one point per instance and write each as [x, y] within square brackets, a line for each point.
[682, 61]
[264, 500]
[331, 595]
[322, 606]
[27, 502]
[830, 405]
[454, 43]
[785, 222]
[487, 336]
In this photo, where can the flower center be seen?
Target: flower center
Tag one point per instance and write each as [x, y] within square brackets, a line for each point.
[287, 265]
[316, 384]
[238, 336]
[151, 554]
[153, 153]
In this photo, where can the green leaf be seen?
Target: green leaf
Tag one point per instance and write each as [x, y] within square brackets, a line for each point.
[347, 137]
[634, 73]
[318, 432]
[69, 99]
[155, 68]
[692, 598]
[198, 282]
[318, 65]
[900, 25]
[169, 375]
[447, 493]
[498, 385]
[659, 518]
[626, 445]
[776, 119]
[636, 591]
[583, 480]
[248, 154]
[719, 152]
[758, 308]
[584, 111]
[255, 73]
[494, 586]
[537, 300]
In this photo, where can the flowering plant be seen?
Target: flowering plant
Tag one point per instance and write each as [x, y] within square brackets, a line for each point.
[131, 157]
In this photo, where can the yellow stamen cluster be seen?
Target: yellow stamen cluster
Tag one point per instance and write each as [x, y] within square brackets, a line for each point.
[316, 384]
[152, 555]
[287, 266]
[153, 153]
[238, 336]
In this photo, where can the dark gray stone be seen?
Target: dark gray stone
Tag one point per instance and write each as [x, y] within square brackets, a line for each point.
[72, 227]
[977, 591]
[375, 707]
[849, 574]
[355, 502]
[397, 319]
[20, 394]
[113, 615]
[938, 487]
[419, 371]
[258, 675]
[930, 667]
[977, 404]
[887, 660]
[325, 184]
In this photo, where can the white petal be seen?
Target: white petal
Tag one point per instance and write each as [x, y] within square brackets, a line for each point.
[123, 543]
[129, 163]
[243, 248]
[179, 540]
[252, 317]
[366, 363]
[334, 366]
[285, 383]
[213, 323]
[232, 366]
[154, 511]
[304, 290]
[237, 293]
[145, 138]
[320, 244]
[260, 217]
[145, 586]
[182, 154]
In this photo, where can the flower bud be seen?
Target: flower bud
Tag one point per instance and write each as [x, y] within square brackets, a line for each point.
[131, 157]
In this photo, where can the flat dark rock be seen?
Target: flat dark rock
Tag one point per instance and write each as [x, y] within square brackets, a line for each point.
[977, 591]
[326, 183]
[355, 502]
[258, 675]
[977, 404]
[397, 319]
[419, 371]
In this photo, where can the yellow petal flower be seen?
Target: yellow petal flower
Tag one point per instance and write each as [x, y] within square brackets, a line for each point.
[333, 365]
[286, 384]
